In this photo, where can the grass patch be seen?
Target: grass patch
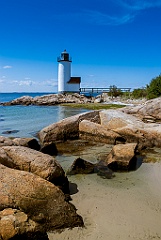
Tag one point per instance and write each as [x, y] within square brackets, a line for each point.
[93, 106]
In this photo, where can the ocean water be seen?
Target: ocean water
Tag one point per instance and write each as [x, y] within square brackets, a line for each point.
[6, 97]
[26, 121]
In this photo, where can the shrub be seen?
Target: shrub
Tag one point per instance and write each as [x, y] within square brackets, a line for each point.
[139, 93]
[114, 91]
[154, 88]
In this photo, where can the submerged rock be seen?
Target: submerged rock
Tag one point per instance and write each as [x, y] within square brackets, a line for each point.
[103, 171]
[10, 131]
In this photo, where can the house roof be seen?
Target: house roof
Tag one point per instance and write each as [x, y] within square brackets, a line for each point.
[74, 80]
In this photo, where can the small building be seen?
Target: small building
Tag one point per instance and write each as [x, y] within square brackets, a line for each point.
[66, 83]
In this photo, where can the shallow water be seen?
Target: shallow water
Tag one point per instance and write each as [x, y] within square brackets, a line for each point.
[28, 120]
[125, 207]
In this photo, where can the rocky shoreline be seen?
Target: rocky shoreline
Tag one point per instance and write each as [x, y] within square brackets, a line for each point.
[55, 99]
[49, 100]
[35, 192]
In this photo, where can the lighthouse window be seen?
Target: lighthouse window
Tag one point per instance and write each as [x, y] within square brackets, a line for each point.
[66, 57]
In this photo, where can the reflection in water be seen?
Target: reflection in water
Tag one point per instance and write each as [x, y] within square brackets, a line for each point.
[64, 112]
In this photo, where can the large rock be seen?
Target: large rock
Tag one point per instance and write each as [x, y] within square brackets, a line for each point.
[150, 109]
[67, 128]
[96, 132]
[17, 225]
[131, 128]
[29, 160]
[122, 157]
[41, 200]
[113, 119]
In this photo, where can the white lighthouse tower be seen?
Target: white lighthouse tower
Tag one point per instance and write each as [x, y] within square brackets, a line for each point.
[64, 71]
[66, 83]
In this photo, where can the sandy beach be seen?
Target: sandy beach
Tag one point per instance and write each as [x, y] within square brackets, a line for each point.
[126, 207]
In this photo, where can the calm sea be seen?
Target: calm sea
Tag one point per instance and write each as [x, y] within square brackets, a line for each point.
[26, 121]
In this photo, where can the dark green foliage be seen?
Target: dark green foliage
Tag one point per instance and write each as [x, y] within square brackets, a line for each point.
[114, 91]
[154, 88]
[139, 93]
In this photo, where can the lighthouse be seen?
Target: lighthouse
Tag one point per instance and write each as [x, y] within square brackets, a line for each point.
[66, 83]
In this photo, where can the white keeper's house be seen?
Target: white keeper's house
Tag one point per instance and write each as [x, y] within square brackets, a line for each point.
[66, 83]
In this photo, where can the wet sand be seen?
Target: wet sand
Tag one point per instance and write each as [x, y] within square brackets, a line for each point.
[125, 207]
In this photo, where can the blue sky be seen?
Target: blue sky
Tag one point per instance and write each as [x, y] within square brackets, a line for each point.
[111, 42]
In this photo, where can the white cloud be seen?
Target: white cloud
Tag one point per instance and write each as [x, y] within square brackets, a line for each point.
[50, 82]
[105, 19]
[126, 11]
[26, 83]
[90, 75]
[7, 67]
[139, 4]
[45, 83]
[129, 9]
[22, 82]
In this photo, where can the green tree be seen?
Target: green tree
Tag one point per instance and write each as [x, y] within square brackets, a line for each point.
[154, 88]
[114, 91]
[139, 93]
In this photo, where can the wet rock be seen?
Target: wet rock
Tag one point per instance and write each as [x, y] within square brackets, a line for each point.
[15, 224]
[42, 201]
[10, 131]
[103, 171]
[81, 166]
[30, 160]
